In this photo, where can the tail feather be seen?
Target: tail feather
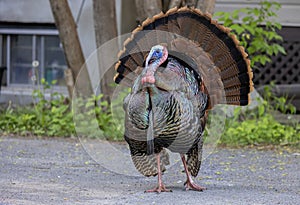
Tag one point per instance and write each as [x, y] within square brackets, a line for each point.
[147, 164]
[219, 59]
[194, 157]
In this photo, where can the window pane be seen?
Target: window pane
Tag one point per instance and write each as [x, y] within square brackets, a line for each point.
[2, 49]
[21, 59]
[55, 63]
[48, 52]
[3, 59]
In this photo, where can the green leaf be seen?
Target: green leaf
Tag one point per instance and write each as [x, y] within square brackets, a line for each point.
[247, 19]
[53, 82]
[235, 14]
[43, 81]
[281, 49]
[256, 11]
[219, 14]
[228, 22]
[261, 110]
[266, 4]
[239, 29]
[249, 28]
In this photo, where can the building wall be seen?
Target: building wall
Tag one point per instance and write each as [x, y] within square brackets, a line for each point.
[288, 15]
[38, 11]
[25, 11]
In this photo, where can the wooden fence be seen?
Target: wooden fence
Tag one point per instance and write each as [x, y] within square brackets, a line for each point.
[284, 69]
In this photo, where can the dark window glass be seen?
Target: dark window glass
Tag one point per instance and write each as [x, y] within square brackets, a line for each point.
[55, 63]
[45, 51]
[21, 59]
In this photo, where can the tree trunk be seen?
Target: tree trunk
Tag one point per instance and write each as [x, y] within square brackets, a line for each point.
[72, 49]
[191, 3]
[146, 9]
[206, 6]
[175, 3]
[105, 29]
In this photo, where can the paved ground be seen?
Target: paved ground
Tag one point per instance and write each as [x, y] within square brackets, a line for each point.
[59, 171]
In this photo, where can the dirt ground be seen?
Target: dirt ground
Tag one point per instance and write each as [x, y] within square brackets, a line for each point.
[60, 171]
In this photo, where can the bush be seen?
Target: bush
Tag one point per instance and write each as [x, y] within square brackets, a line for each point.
[46, 118]
[257, 30]
[259, 127]
[260, 131]
[94, 119]
[54, 117]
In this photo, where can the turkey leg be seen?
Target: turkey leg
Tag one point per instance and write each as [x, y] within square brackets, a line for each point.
[161, 187]
[190, 184]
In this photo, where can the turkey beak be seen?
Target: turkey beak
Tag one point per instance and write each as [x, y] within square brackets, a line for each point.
[148, 59]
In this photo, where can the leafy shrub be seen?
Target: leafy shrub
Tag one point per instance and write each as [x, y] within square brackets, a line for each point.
[259, 131]
[94, 119]
[257, 30]
[258, 127]
[278, 103]
[54, 117]
[46, 118]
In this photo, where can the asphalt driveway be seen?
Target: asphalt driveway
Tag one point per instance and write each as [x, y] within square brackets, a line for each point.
[60, 171]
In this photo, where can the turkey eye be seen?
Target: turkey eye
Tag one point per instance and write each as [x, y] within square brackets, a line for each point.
[157, 51]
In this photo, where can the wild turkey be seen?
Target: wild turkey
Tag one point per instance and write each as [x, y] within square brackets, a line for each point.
[179, 65]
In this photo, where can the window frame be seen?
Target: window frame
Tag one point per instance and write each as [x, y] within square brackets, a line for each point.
[37, 34]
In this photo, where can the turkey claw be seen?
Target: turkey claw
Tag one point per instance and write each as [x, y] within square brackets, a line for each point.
[193, 186]
[159, 189]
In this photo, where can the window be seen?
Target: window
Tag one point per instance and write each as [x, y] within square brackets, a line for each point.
[30, 55]
[54, 60]
[21, 53]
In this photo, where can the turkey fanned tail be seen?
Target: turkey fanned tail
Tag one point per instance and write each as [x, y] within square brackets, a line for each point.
[216, 53]
[179, 65]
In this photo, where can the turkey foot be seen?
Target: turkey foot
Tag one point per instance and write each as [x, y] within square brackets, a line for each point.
[161, 187]
[190, 184]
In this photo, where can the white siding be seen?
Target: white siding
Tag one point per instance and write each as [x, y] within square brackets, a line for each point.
[288, 15]
[38, 11]
[31, 11]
